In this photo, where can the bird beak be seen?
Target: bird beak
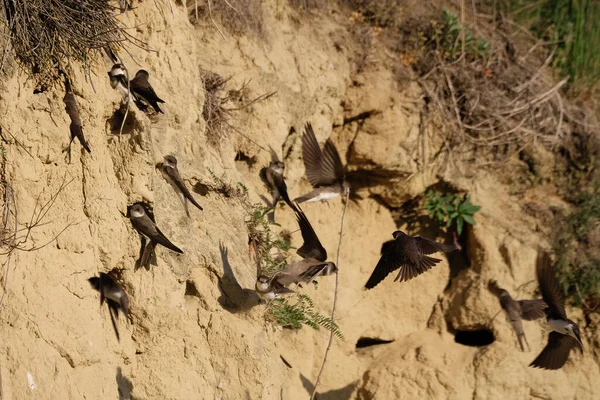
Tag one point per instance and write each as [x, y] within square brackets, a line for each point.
[576, 336]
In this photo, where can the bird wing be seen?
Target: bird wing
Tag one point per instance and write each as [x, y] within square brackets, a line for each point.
[312, 156]
[148, 228]
[549, 286]
[556, 352]
[176, 178]
[513, 313]
[312, 246]
[143, 88]
[390, 260]
[427, 246]
[332, 169]
[532, 309]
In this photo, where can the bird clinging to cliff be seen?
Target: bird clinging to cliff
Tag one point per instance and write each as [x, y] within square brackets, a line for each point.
[75, 128]
[143, 90]
[115, 296]
[148, 229]
[273, 176]
[565, 333]
[324, 169]
[409, 253]
[312, 265]
[118, 81]
[171, 174]
[518, 310]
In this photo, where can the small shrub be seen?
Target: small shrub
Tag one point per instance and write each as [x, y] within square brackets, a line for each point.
[450, 210]
[302, 312]
[577, 249]
[448, 39]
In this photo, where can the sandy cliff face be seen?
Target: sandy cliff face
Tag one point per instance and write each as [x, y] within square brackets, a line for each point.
[197, 332]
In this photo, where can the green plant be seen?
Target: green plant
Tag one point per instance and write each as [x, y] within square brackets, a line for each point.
[272, 249]
[573, 26]
[576, 247]
[301, 312]
[448, 39]
[451, 209]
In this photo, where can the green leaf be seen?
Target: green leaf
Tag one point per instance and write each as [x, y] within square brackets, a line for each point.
[449, 222]
[454, 215]
[459, 225]
[469, 219]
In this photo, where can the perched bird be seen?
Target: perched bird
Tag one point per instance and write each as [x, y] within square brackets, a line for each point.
[518, 310]
[142, 90]
[312, 265]
[324, 169]
[409, 253]
[565, 333]
[147, 228]
[171, 174]
[115, 297]
[273, 175]
[72, 110]
[118, 80]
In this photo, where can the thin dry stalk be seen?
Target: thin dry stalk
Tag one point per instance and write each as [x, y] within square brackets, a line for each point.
[335, 296]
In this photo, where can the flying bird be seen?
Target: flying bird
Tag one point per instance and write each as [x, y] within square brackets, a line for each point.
[273, 176]
[565, 333]
[324, 169]
[171, 174]
[143, 90]
[76, 128]
[115, 297]
[118, 80]
[518, 310]
[147, 228]
[312, 264]
[410, 254]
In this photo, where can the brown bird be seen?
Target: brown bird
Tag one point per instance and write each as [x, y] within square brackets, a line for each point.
[143, 90]
[565, 333]
[115, 297]
[518, 310]
[409, 253]
[312, 265]
[76, 128]
[171, 174]
[148, 229]
[273, 176]
[324, 169]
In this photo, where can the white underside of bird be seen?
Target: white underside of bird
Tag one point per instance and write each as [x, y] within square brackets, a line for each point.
[324, 196]
[560, 326]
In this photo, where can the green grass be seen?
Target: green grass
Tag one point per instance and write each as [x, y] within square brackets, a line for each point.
[576, 24]
[448, 38]
[577, 249]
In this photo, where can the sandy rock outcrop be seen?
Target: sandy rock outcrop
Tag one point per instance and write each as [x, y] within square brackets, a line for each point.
[196, 329]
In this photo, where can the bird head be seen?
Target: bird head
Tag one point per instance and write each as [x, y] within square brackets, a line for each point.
[170, 161]
[277, 167]
[262, 282]
[117, 69]
[142, 73]
[137, 211]
[398, 234]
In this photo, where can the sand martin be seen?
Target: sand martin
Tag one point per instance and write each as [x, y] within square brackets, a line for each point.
[142, 90]
[118, 80]
[565, 333]
[147, 228]
[518, 310]
[273, 176]
[76, 128]
[171, 174]
[409, 253]
[115, 297]
[312, 265]
[324, 169]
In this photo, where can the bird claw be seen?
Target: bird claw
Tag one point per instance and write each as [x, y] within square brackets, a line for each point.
[456, 243]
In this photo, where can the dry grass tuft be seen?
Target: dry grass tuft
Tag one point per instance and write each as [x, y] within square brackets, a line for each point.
[47, 35]
[218, 116]
[237, 16]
